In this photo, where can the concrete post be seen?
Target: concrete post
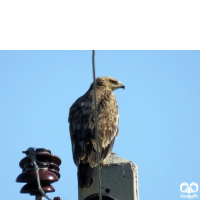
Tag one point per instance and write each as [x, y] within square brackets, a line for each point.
[119, 179]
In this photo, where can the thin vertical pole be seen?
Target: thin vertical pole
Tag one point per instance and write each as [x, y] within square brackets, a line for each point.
[96, 125]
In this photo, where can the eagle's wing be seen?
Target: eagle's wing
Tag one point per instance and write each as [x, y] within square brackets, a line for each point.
[82, 131]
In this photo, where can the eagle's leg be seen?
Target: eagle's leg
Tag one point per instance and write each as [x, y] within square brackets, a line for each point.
[102, 163]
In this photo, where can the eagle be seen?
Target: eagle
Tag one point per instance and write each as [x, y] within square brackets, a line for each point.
[82, 127]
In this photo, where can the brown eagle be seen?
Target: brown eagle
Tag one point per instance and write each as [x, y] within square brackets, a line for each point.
[82, 127]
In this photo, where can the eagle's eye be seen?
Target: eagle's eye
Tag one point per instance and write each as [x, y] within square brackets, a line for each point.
[114, 82]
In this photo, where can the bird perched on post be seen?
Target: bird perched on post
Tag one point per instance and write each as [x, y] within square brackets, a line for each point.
[82, 127]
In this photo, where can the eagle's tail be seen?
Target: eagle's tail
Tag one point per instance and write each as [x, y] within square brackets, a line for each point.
[85, 175]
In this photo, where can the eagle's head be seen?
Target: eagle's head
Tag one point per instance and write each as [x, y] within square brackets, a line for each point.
[108, 83]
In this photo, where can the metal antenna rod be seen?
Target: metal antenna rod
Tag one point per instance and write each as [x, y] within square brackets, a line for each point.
[96, 125]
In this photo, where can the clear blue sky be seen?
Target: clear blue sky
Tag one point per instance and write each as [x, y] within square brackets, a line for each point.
[159, 127]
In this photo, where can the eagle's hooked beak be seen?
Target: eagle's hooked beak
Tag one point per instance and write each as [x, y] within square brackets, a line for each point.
[121, 85]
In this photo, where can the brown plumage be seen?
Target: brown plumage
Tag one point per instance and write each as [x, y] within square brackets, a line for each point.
[82, 127]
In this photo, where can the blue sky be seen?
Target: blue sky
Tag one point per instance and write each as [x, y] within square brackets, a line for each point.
[159, 114]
